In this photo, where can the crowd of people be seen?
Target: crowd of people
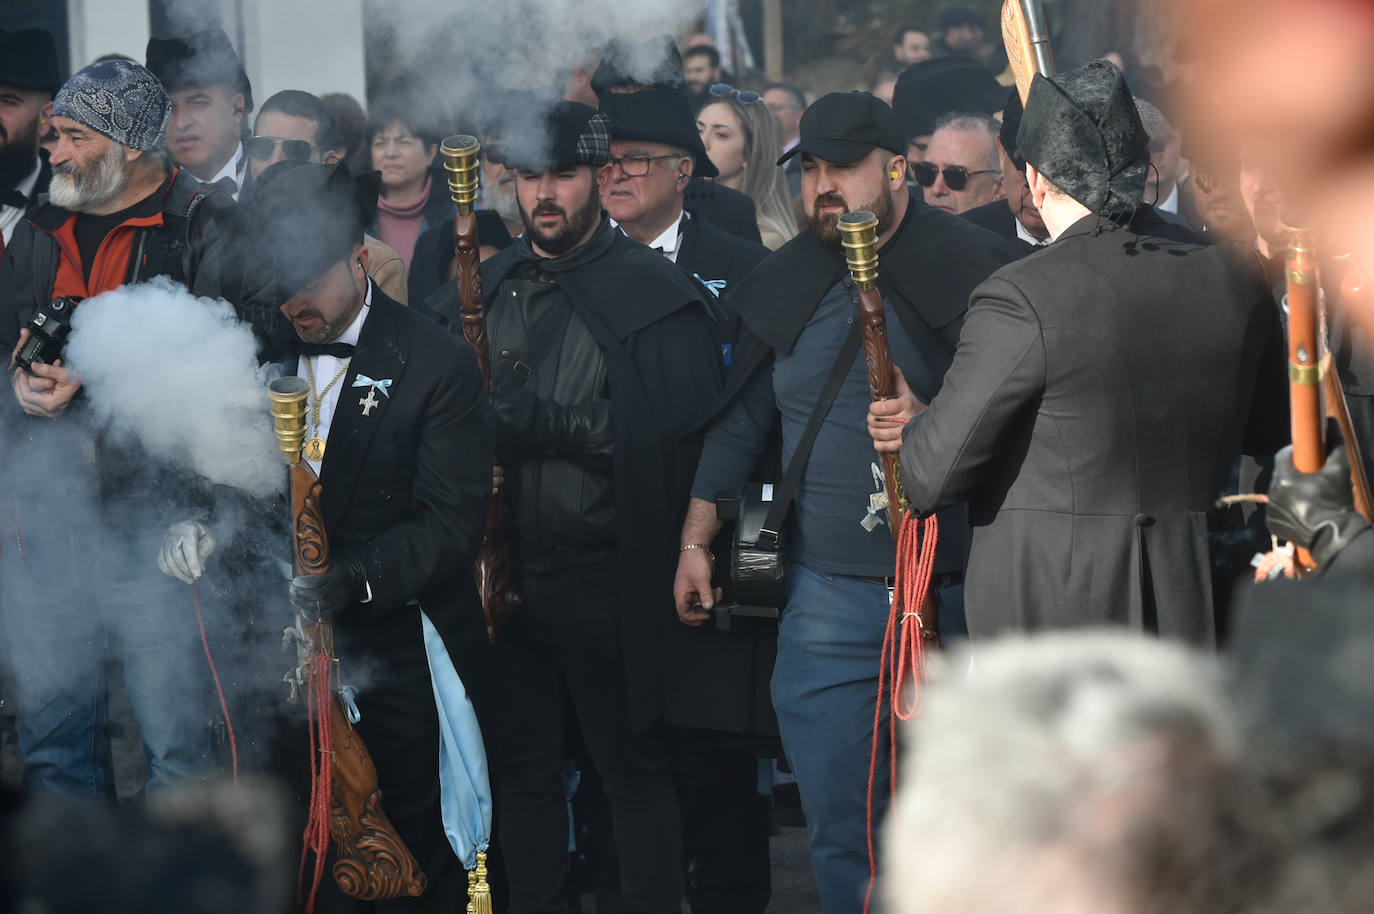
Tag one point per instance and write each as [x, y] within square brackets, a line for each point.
[671, 400]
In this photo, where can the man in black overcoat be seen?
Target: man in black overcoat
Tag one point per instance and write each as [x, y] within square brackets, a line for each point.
[720, 722]
[796, 310]
[1102, 389]
[604, 357]
[406, 475]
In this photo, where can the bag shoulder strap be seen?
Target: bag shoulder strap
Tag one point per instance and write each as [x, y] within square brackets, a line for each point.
[770, 532]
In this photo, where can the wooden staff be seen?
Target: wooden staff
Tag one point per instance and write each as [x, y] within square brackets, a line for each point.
[499, 598]
[371, 860]
[1027, 42]
[859, 235]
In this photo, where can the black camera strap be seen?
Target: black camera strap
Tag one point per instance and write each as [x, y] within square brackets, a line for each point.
[770, 532]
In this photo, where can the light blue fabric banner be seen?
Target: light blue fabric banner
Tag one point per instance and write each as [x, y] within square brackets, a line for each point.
[464, 785]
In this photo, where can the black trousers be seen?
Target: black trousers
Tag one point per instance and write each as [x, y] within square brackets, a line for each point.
[725, 821]
[565, 644]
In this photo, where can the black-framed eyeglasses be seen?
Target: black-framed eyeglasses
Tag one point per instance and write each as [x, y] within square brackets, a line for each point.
[495, 154]
[264, 147]
[725, 90]
[637, 166]
[956, 176]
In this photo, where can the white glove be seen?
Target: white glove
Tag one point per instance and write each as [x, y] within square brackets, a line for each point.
[184, 551]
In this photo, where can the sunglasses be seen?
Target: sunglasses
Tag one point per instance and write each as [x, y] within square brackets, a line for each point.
[725, 90]
[264, 147]
[956, 176]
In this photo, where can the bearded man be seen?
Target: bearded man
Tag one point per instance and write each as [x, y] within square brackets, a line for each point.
[603, 360]
[117, 215]
[799, 320]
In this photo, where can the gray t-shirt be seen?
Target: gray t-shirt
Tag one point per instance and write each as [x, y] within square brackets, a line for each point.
[836, 528]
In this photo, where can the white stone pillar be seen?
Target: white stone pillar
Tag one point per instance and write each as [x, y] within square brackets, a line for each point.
[315, 45]
[99, 27]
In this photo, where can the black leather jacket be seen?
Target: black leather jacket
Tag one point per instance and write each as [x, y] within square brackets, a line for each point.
[558, 460]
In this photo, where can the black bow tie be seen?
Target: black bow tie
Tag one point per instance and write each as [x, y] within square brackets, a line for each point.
[226, 183]
[12, 197]
[337, 350]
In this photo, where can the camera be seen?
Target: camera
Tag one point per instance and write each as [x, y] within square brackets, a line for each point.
[47, 332]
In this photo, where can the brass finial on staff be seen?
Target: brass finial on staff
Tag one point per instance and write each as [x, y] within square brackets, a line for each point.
[288, 407]
[460, 161]
[859, 236]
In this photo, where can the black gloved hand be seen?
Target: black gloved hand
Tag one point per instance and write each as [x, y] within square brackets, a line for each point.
[519, 420]
[1314, 510]
[321, 596]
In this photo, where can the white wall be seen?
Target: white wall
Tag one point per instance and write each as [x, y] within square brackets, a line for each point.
[99, 27]
[315, 45]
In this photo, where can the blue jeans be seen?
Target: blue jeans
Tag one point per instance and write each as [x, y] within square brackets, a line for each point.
[72, 599]
[825, 684]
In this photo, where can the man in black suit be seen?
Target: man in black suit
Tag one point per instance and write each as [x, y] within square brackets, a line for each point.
[1102, 390]
[655, 153]
[655, 147]
[624, 70]
[406, 472]
[1015, 218]
[28, 82]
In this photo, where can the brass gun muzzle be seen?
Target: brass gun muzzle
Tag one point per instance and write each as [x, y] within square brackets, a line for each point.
[460, 161]
[859, 236]
[288, 407]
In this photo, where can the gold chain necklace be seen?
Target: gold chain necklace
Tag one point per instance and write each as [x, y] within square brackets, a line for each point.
[314, 448]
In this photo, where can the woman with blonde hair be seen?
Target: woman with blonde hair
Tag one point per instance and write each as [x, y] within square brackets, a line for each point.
[743, 141]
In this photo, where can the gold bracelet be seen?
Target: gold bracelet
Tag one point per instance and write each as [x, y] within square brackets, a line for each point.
[703, 547]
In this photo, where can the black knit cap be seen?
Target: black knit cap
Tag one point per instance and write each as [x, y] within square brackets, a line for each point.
[1081, 130]
[28, 60]
[305, 218]
[658, 116]
[573, 134]
[203, 58]
[928, 90]
[843, 127]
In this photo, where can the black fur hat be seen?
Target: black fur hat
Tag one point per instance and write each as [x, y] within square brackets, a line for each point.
[1081, 130]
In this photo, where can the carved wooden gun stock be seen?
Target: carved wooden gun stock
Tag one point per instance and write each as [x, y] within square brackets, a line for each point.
[1027, 40]
[499, 598]
[371, 860]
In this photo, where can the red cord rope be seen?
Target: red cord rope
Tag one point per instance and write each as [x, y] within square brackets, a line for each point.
[902, 667]
[219, 690]
[318, 696]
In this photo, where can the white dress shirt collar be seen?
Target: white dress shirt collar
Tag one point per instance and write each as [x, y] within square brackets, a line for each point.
[10, 215]
[325, 367]
[235, 168]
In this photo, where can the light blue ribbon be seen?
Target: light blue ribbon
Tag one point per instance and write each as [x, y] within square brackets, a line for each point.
[715, 285]
[383, 385]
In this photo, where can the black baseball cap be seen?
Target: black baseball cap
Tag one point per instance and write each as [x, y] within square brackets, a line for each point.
[843, 127]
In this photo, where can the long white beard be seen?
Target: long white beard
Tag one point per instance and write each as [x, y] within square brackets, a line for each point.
[85, 193]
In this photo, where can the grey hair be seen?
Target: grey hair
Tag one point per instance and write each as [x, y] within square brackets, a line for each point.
[972, 121]
[1083, 771]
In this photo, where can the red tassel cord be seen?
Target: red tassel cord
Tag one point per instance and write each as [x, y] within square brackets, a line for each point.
[316, 838]
[902, 668]
[219, 689]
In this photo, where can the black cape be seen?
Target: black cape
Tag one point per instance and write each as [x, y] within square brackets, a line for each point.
[664, 370]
